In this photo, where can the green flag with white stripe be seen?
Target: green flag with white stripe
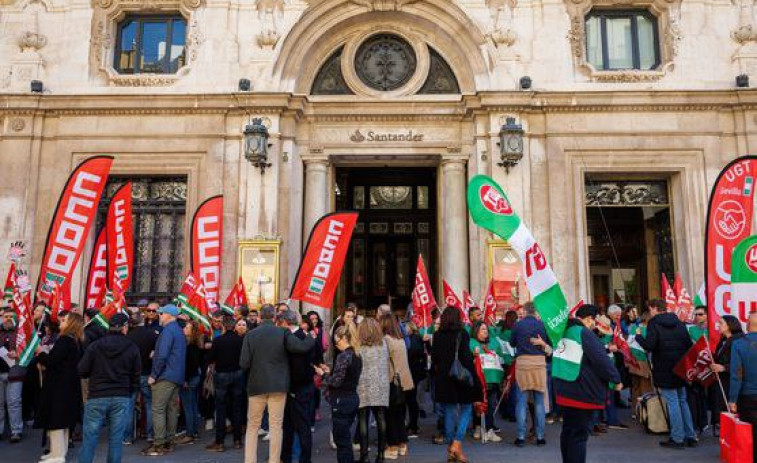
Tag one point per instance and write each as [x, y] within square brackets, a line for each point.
[491, 210]
[567, 355]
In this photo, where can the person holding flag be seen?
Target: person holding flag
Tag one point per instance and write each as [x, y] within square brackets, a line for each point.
[582, 374]
[11, 377]
[730, 331]
[489, 352]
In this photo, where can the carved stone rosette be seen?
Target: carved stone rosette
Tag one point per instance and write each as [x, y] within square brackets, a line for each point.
[668, 14]
[108, 13]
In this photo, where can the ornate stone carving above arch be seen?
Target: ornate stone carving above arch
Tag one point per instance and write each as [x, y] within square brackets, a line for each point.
[330, 24]
[668, 13]
[105, 18]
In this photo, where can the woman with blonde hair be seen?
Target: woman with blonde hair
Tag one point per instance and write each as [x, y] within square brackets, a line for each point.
[341, 389]
[373, 387]
[60, 405]
[400, 381]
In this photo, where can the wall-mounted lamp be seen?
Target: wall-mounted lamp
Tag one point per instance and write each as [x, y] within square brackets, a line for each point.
[510, 144]
[244, 85]
[37, 86]
[256, 144]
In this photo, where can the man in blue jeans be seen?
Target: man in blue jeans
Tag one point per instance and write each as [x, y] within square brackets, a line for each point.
[668, 341]
[113, 366]
[529, 338]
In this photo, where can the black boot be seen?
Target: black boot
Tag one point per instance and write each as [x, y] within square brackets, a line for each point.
[380, 456]
[364, 457]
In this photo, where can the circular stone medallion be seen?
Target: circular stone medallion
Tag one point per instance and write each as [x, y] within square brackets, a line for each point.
[385, 62]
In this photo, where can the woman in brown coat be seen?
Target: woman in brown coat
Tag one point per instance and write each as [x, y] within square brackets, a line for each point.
[399, 374]
[60, 405]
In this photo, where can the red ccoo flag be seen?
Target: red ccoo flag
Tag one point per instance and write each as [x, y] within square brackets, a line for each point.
[684, 306]
[120, 238]
[321, 266]
[423, 298]
[71, 222]
[97, 277]
[450, 298]
[696, 365]
[206, 246]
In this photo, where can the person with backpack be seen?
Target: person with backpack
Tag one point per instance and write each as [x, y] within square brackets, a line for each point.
[668, 341]
[582, 374]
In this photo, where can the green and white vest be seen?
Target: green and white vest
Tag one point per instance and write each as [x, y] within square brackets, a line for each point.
[567, 356]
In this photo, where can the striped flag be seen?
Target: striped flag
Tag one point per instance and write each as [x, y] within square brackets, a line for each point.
[197, 307]
[10, 282]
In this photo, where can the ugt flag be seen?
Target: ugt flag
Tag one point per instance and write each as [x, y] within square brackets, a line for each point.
[696, 364]
[321, 266]
[729, 220]
[491, 210]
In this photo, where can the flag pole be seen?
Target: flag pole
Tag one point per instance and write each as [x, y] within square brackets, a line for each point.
[720, 383]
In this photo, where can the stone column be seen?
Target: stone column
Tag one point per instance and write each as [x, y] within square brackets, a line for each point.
[316, 206]
[454, 228]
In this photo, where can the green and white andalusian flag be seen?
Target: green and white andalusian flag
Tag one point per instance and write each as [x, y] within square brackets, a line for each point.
[567, 355]
[700, 297]
[491, 210]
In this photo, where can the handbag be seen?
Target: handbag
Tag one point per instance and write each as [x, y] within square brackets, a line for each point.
[396, 393]
[458, 372]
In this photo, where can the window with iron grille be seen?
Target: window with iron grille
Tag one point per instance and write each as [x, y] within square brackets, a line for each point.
[159, 213]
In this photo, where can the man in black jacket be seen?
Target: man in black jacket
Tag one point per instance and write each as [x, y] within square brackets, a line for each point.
[668, 341]
[582, 373]
[299, 402]
[113, 366]
[228, 380]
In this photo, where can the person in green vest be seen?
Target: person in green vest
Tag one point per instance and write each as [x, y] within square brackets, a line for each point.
[582, 374]
[489, 351]
[699, 327]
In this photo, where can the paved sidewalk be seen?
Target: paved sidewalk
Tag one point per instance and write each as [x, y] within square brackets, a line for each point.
[618, 446]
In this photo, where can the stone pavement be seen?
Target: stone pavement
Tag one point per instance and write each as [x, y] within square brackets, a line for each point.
[618, 446]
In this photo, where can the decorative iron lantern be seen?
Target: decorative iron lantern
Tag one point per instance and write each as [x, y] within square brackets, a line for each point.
[510, 144]
[256, 144]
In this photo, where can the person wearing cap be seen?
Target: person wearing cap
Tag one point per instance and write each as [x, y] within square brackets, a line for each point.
[113, 365]
[582, 374]
[166, 377]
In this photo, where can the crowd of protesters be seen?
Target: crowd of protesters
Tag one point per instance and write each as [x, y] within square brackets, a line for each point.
[156, 374]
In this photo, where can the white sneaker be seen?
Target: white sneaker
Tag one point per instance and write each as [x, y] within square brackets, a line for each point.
[262, 432]
[332, 444]
[355, 447]
[209, 425]
[477, 433]
[267, 437]
[491, 436]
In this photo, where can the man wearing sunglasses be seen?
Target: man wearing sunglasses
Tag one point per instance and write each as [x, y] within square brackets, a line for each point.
[699, 327]
[151, 316]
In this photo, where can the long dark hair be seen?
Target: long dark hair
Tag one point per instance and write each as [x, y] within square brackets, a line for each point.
[451, 320]
[313, 312]
[390, 326]
[476, 329]
[733, 323]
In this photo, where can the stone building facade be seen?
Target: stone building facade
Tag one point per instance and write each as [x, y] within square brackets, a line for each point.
[630, 110]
